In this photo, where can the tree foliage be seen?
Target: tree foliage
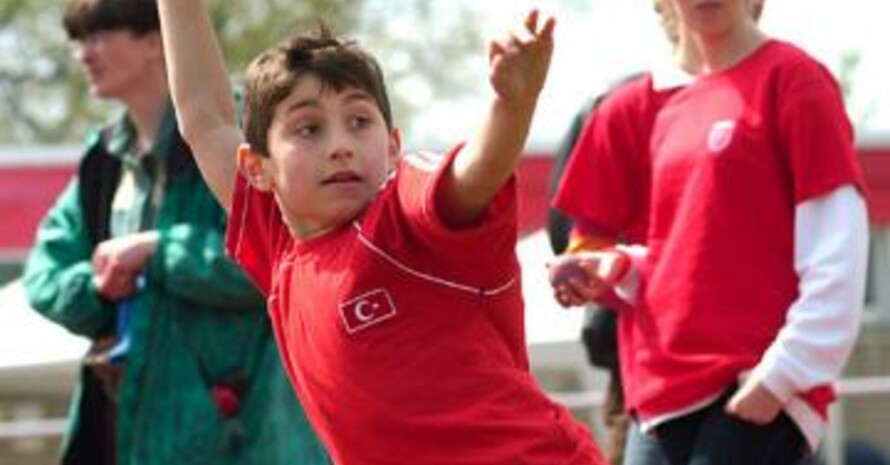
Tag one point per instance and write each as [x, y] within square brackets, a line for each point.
[42, 92]
[45, 99]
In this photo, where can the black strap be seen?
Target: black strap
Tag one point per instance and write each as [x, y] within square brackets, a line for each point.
[93, 440]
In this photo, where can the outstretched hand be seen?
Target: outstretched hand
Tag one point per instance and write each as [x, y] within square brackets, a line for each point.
[519, 63]
[518, 66]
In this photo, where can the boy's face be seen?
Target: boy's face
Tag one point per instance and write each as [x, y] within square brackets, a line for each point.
[115, 61]
[329, 153]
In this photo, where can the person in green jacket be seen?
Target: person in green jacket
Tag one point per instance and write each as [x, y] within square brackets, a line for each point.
[184, 368]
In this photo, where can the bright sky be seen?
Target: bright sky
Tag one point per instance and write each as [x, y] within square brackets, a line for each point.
[600, 41]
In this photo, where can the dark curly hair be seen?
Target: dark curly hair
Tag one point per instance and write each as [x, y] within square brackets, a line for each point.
[338, 63]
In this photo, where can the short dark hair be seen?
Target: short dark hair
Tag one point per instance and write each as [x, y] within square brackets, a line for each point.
[338, 63]
[86, 17]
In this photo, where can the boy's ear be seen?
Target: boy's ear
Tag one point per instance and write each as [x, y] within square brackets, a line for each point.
[252, 166]
[395, 147]
[155, 44]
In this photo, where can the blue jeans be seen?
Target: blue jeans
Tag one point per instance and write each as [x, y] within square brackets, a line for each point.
[641, 449]
[711, 437]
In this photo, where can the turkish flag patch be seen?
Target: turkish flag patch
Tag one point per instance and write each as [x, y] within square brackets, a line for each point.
[367, 310]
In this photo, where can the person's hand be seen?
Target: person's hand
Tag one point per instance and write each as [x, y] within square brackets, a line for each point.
[584, 277]
[754, 403]
[519, 63]
[118, 262]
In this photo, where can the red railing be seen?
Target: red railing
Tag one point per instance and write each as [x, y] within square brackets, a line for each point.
[26, 192]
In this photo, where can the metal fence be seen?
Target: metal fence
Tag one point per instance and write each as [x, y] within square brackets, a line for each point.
[833, 449]
[836, 438]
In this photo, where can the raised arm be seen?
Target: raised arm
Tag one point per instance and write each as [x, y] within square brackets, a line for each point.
[518, 68]
[199, 83]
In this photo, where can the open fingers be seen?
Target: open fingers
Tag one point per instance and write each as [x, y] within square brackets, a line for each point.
[533, 31]
[495, 48]
[534, 27]
[547, 31]
[531, 21]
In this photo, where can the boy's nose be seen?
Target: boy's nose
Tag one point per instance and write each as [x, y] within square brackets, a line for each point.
[340, 151]
[340, 148]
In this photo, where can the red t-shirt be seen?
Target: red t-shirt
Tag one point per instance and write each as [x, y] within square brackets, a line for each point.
[733, 154]
[606, 183]
[404, 338]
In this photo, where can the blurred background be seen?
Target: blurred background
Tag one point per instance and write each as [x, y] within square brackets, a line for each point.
[433, 54]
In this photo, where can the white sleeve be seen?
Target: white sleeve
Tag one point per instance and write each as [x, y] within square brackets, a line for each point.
[830, 258]
[628, 287]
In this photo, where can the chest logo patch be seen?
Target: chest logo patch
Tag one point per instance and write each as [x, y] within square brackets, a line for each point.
[367, 310]
[720, 135]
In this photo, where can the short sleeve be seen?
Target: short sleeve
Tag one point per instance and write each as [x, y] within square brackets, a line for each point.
[605, 181]
[256, 235]
[481, 251]
[815, 133]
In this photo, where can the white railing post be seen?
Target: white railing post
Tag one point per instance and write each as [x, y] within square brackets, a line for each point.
[834, 445]
[836, 435]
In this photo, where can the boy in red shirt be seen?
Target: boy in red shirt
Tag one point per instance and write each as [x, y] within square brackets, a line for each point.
[392, 283]
[750, 288]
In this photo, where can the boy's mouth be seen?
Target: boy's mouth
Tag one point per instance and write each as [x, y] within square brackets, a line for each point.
[708, 5]
[342, 177]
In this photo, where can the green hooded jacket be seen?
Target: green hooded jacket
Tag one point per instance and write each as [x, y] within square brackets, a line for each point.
[196, 324]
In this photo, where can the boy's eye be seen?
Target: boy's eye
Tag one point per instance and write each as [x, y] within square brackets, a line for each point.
[307, 130]
[359, 122]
